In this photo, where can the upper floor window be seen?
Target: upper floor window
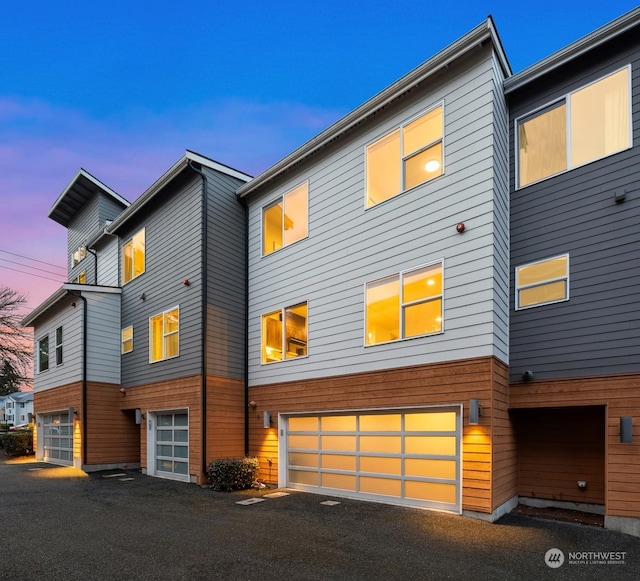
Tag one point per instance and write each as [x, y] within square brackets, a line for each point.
[81, 278]
[59, 346]
[127, 340]
[586, 125]
[79, 255]
[43, 354]
[284, 333]
[285, 221]
[133, 257]
[404, 305]
[164, 335]
[542, 282]
[405, 157]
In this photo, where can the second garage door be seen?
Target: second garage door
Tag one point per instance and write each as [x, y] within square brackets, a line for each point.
[407, 457]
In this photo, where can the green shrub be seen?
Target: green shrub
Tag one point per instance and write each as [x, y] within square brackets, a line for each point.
[233, 473]
[18, 443]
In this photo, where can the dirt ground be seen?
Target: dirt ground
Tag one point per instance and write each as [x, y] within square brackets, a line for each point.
[561, 514]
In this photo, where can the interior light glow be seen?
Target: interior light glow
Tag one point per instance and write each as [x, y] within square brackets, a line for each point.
[432, 165]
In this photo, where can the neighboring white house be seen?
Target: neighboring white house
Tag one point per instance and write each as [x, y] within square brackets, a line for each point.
[17, 408]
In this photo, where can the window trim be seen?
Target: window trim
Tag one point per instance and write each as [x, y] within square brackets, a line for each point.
[59, 346]
[282, 311]
[164, 335]
[402, 158]
[122, 340]
[39, 361]
[402, 304]
[78, 255]
[144, 267]
[518, 288]
[565, 99]
[273, 202]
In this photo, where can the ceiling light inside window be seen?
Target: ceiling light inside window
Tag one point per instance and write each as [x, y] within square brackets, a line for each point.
[433, 165]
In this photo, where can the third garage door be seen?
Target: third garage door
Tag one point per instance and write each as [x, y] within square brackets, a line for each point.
[407, 457]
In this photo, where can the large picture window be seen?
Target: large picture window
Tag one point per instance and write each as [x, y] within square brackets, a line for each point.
[164, 335]
[405, 157]
[586, 125]
[285, 221]
[404, 305]
[43, 354]
[284, 334]
[133, 257]
[542, 282]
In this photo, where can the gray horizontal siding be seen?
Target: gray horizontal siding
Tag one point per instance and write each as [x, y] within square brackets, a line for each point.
[349, 246]
[108, 263]
[596, 331]
[103, 337]
[173, 254]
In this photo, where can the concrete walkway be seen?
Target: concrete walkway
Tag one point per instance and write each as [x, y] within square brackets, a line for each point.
[62, 524]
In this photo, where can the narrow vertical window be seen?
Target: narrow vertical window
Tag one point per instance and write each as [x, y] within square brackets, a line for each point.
[59, 346]
[285, 221]
[164, 335]
[133, 257]
[43, 354]
[127, 340]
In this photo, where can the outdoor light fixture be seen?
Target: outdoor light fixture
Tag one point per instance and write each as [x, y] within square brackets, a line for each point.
[266, 423]
[71, 413]
[139, 416]
[626, 436]
[474, 411]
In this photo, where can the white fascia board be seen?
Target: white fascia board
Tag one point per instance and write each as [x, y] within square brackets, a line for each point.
[216, 166]
[475, 37]
[574, 50]
[60, 294]
[82, 172]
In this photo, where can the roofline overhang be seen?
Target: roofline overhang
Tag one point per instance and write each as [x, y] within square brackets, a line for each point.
[166, 178]
[574, 50]
[475, 37]
[61, 293]
[84, 173]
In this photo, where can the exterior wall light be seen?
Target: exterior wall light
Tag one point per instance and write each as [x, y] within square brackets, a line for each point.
[474, 411]
[626, 430]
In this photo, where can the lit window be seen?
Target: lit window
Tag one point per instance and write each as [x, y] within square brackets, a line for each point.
[79, 255]
[59, 346]
[81, 278]
[127, 340]
[43, 354]
[164, 335]
[543, 282]
[285, 221]
[405, 158]
[586, 125]
[284, 334]
[133, 257]
[404, 305]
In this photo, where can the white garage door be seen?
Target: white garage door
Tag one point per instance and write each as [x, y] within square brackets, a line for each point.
[172, 445]
[407, 457]
[57, 438]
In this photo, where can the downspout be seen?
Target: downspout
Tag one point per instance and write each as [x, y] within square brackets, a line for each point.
[246, 331]
[95, 264]
[84, 375]
[205, 286]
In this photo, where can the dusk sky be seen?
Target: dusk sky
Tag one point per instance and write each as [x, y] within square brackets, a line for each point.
[122, 88]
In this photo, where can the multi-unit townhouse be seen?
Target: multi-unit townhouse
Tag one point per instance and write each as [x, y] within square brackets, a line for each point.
[16, 409]
[140, 360]
[430, 303]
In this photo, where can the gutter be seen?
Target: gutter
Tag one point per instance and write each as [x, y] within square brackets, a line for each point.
[203, 339]
[84, 374]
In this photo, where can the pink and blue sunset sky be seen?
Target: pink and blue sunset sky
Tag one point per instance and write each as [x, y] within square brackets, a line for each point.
[122, 88]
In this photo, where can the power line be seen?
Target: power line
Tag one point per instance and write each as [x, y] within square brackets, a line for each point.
[33, 259]
[31, 273]
[31, 267]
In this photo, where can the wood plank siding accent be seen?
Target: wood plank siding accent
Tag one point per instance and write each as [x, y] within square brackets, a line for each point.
[620, 395]
[436, 384]
[225, 415]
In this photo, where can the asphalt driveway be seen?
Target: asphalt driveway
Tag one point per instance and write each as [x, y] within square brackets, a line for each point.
[62, 524]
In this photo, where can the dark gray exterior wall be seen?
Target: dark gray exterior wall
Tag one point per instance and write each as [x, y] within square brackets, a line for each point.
[227, 287]
[173, 230]
[597, 331]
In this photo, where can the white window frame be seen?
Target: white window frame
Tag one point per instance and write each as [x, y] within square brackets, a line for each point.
[59, 346]
[39, 366]
[122, 252]
[283, 350]
[273, 202]
[565, 99]
[164, 335]
[402, 304]
[518, 287]
[78, 255]
[122, 340]
[401, 159]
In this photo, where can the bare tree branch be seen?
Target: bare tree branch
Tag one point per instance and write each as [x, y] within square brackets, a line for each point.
[14, 339]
